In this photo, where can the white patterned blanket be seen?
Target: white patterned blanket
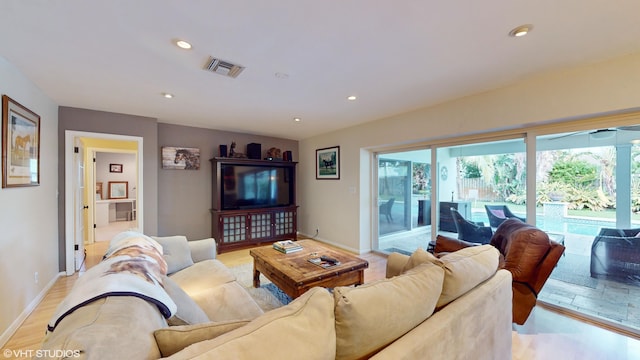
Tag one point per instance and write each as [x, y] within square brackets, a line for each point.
[133, 266]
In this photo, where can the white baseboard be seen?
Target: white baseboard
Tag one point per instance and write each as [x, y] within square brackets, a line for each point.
[341, 246]
[27, 311]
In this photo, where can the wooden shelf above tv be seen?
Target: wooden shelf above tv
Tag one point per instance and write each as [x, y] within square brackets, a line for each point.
[247, 160]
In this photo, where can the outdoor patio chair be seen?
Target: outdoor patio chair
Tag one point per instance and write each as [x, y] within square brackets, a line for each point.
[471, 231]
[385, 209]
[499, 213]
[615, 255]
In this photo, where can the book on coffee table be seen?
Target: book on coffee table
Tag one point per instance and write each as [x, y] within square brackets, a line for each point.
[323, 263]
[287, 246]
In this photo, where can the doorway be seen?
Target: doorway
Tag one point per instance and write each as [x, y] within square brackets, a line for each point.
[75, 235]
[113, 213]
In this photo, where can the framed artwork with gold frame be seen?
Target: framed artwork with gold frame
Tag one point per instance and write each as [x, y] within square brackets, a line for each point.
[20, 145]
[118, 190]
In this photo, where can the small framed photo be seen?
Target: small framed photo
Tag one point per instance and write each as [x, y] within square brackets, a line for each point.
[328, 163]
[115, 168]
[20, 145]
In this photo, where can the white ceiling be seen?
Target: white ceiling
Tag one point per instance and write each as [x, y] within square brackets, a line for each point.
[396, 56]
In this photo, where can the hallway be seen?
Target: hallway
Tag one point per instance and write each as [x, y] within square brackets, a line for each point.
[105, 233]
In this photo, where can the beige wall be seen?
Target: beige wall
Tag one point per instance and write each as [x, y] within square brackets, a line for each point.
[26, 249]
[342, 209]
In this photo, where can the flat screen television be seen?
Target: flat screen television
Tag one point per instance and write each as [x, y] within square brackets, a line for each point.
[245, 186]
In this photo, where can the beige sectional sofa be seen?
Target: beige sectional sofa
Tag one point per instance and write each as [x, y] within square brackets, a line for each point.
[455, 307]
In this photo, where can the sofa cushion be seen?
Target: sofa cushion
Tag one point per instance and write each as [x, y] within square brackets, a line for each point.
[308, 323]
[188, 311]
[418, 257]
[371, 316]
[192, 281]
[228, 301]
[175, 338]
[465, 269]
[213, 287]
[176, 252]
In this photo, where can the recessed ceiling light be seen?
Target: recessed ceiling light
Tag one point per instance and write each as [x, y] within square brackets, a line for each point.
[183, 44]
[297, 119]
[521, 30]
[351, 98]
[167, 95]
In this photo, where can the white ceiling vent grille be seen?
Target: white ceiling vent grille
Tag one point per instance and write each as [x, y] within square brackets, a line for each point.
[223, 67]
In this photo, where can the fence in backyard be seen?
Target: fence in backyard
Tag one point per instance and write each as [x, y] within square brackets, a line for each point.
[476, 189]
[469, 189]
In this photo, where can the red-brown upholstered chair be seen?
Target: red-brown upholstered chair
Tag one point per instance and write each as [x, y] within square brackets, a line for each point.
[529, 255]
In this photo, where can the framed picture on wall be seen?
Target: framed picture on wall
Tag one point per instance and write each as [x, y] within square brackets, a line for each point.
[118, 189]
[115, 168]
[20, 145]
[328, 163]
[180, 158]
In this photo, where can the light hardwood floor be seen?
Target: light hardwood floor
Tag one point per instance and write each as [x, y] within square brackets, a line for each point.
[546, 335]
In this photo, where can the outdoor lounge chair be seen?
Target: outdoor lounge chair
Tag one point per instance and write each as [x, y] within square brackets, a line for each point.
[615, 255]
[471, 231]
[499, 213]
[385, 209]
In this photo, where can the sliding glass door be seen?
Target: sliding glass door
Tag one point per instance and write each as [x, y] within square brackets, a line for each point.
[479, 185]
[404, 206]
[588, 198]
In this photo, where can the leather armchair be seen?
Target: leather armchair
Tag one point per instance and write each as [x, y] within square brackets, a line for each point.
[529, 255]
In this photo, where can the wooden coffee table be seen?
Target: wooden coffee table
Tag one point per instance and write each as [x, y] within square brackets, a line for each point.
[294, 274]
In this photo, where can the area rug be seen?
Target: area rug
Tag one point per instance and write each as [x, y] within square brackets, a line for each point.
[575, 269]
[268, 296]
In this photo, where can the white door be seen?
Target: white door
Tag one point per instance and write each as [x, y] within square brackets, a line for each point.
[79, 205]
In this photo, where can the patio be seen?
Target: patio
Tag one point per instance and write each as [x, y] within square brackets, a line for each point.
[572, 287]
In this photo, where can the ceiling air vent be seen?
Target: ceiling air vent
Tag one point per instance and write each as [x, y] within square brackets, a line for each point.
[223, 67]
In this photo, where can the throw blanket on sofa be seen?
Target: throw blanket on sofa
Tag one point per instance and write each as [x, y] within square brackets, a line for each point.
[133, 266]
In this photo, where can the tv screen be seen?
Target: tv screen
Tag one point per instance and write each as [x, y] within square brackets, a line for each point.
[254, 186]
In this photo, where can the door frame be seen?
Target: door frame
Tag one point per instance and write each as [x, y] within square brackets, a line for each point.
[69, 221]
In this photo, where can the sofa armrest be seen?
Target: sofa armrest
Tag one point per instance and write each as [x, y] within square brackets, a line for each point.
[395, 264]
[204, 249]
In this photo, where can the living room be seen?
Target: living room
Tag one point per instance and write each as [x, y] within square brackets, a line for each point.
[580, 92]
